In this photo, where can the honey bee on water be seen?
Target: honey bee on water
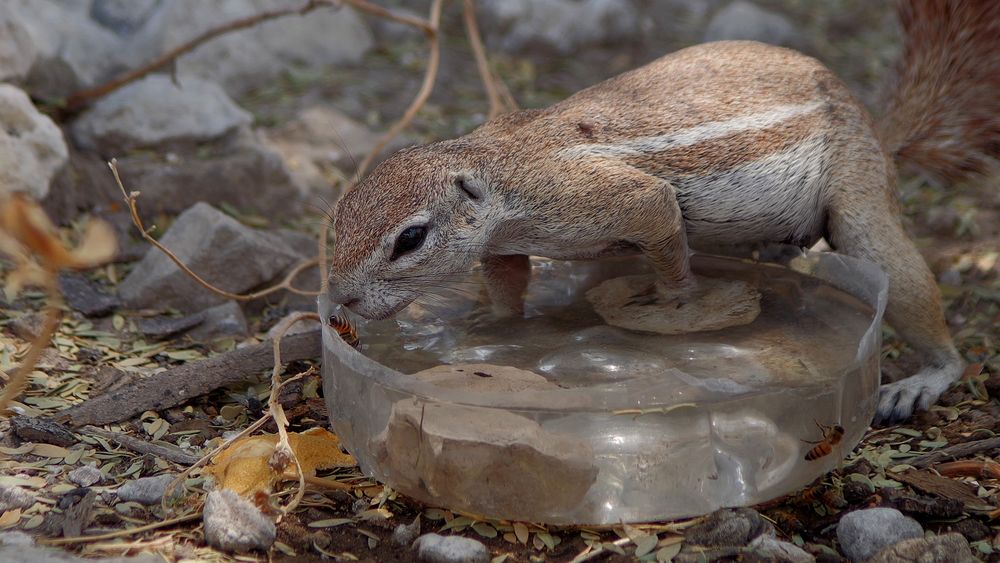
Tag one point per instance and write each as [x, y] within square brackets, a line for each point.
[832, 435]
[345, 330]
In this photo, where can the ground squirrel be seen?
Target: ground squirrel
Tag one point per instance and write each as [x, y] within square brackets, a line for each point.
[731, 142]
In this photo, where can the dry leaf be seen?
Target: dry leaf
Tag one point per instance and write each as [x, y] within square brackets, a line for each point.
[9, 518]
[244, 468]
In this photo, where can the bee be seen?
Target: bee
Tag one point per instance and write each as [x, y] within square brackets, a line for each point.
[345, 329]
[832, 435]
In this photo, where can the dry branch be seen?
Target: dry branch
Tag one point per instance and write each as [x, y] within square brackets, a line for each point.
[176, 385]
[956, 451]
[138, 445]
[433, 62]
[80, 100]
[497, 93]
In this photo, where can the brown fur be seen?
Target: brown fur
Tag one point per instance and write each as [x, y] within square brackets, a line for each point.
[723, 143]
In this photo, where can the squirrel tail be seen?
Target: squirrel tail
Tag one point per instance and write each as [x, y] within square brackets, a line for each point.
[943, 112]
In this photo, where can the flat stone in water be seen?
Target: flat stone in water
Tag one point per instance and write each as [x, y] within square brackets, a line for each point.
[713, 305]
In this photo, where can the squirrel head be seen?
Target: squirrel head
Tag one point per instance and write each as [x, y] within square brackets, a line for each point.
[417, 223]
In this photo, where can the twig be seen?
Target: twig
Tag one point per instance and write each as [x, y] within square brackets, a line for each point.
[375, 10]
[499, 103]
[122, 533]
[956, 451]
[142, 446]
[176, 385]
[434, 60]
[979, 468]
[285, 284]
[79, 100]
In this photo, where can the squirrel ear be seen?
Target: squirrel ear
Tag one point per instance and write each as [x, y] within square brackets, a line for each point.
[469, 185]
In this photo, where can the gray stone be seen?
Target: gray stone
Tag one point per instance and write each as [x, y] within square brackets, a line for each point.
[122, 16]
[18, 547]
[86, 475]
[404, 534]
[84, 295]
[157, 110]
[17, 50]
[165, 326]
[147, 490]
[744, 20]
[729, 527]
[234, 524]
[73, 51]
[238, 171]
[27, 326]
[255, 56]
[32, 149]
[222, 251]
[222, 321]
[15, 497]
[863, 533]
[434, 548]
[563, 26]
[947, 548]
[771, 549]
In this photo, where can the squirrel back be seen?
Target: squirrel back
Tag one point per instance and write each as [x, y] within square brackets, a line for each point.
[943, 113]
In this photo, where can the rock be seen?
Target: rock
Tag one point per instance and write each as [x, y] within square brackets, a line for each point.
[562, 26]
[84, 295]
[947, 548]
[18, 547]
[86, 475]
[238, 171]
[434, 548]
[771, 549]
[27, 326]
[233, 523]
[164, 326]
[320, 137]
[443, 453]
[863, 533]
[971, 529]
[122, 16]
[742, 20]
[17, 50]
[729, 527]
[147, 490]
[156, 110]
[404, 534]
[222, 321]
[251, 57]
[73, 51]
[223, 252]
[15, 497]
[32, 149]
[37, 429]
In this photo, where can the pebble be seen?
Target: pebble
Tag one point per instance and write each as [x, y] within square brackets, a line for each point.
[434, 548]
[146, 490]
[772, 549]
[734, 527]
[947, 548]
[863, 533]
[15, 497]
[86, 476]
[404, 534]
[234, 524]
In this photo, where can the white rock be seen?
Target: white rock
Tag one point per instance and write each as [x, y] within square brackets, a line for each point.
[73, 51]
[17, 50]
[254, 56]
[745, 21]
[86, 476]
[156, 110]
[147, 490]
[122, 16]
[560, 25]
[863, 533]
[15, 497]
[772, 549]
[32, 149]
[434, 548]
[233, 523]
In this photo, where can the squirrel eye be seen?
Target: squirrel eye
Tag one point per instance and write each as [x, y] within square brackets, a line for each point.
[409, 240]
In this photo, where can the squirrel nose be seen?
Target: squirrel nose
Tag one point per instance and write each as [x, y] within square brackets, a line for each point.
[339, 297]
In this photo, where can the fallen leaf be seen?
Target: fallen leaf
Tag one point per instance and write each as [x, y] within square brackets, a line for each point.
[244, 468]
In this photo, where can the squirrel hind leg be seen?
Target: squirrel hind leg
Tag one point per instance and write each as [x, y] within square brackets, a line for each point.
[867, 230]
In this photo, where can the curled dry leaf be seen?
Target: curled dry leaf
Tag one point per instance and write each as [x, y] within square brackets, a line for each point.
[245, 465]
